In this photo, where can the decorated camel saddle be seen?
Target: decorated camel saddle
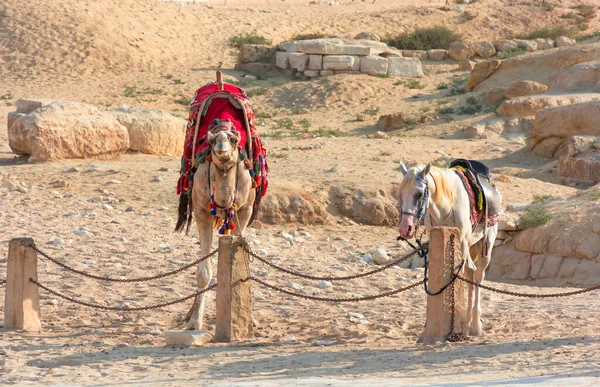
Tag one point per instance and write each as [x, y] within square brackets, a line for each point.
[216, 107]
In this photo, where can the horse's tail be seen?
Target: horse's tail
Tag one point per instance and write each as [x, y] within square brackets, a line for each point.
[184, 217]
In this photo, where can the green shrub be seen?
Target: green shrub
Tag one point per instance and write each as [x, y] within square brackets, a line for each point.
[372, 111]
[426, 39]
[414, 84]
[240, 40]
[183, 101]
[534, 216]
[551, 33]
[442, 86]
[472, 107]
[512, 53]
[446, 110]
[539, 199]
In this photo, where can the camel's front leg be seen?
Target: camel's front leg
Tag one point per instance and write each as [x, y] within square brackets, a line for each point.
[204, 272]
[485, 257]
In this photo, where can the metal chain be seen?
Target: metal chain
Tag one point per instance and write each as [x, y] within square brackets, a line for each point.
[2, 282]
[452, 335]
[330, 278]
[333, 299]
[123, 309]
[529, 295]
[143, 279]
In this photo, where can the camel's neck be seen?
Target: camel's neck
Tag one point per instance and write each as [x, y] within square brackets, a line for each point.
[223, 181]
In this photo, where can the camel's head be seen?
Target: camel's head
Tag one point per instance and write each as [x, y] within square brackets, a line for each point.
[224, 145]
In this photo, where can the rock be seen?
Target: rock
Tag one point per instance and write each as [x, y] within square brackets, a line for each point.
[52, 302]
[509, 263]
[374, 65]
[27, 105]
[580, 144]
[484, 49]
[380, 257]
[437, 54]
[459, 51]
[324, 343]
[341, 62]
[505, 45]
[481, 72]
[563, 41]
[531, 105]
[293, 205]
[58, 242]
[295, 286]
[325, 284]
[315, 62]
[491, 97]
[582, 76]
[157, 179]
[12, 118]
[361, 117]
[548, 147]
[367, 258]
[528, 45]
[415, 54]
[67, 130]
[380, 135]
[465, 64]
[187, 338]
[585, 170]
[367, 36]
[298, 61]
[474, 131]
[256, 53]
[391, 121]
[325, 47]
[282, 60]
[404, 67]
[326, 73]
[566, 121]
[523, 88]
[81, 232]
[544, 43]
[107, 207]
[373, 207]
[311, 73]
[253, 68]
[89, 262]
[354, 315]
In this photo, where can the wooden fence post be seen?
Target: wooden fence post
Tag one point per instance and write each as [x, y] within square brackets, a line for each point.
[440, 272]
[234, 298]
[22, 301]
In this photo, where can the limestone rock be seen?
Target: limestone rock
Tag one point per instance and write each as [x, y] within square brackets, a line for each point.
[298, 61]
[368, 36]
[481, 72]
[27, 105]
[582, 76]
[341, 62]
[484, 49]
[474, 131]
[563, 41]
[548, 147]
[371, 208]
[505, 45]
[311, 73]
[523, 88]
[282, 60]
[491, 97]
[404, 67]
[437, 54]
[187, 338]
[12, 118]
[544, 43]
[528, 45]
[292, 205]
[315, 62]
[391, 121]
[531, 105]
[380, 257]
[509, 263]
[465, 64]
[374, 65]
[68, 130]
[152, 131]
[415, 54]
[326, 73]
[586, 169]
[325, 47]
[256, 53]
[459, 51]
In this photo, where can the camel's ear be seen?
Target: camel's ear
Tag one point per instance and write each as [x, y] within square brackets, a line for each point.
[210, 136]
[403, 168]
[235, 136]
[425, 171]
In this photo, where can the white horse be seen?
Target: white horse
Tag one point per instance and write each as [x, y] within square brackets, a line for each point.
[440, 197]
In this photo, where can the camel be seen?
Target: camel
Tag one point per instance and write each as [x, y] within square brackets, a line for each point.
[227, 190]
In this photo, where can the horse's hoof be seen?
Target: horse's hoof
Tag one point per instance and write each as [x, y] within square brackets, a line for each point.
[193, 326]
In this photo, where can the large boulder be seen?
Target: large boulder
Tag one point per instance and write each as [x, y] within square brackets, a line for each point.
[530, 105]
[505, 45]
[527, 45]
[152, 131]
[565, 122]
[582, 76]
[540, 66]
[404, 67]
[372, 208]
[68, 130]
[481, 72]
[523, 88]
[584, 168]
[564, 41]
[250, 53]
[484, 49]
[292, 205]
[437, 54]
[374, 65]
[391, 121]
[459, 51]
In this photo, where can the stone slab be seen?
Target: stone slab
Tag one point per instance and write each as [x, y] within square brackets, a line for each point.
[187, 338]
[404, 67]
[26, 106]
[341, 62]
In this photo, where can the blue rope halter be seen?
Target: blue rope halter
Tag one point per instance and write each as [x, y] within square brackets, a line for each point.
[422, 206]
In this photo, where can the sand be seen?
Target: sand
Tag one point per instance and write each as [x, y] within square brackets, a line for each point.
[93, 51]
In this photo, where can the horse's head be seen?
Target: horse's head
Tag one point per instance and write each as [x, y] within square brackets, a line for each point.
[413, 194]
[224, 145]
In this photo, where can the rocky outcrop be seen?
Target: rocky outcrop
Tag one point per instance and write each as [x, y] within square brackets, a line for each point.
[375, 208]
[484, 49]
[391, 121]
[481, 72]
[582, 76]
[531, 105]
[459, 51]
[152, 131]
[292, 205]
[68, 130]
[250, 53]
[524, 88]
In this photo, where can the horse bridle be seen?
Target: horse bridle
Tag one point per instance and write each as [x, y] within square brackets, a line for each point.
[423, 205]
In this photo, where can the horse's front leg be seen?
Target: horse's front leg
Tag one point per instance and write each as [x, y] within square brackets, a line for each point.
[204, 271]
[485, 257]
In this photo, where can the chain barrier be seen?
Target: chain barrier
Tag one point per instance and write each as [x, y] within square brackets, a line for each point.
[126, 308]
[143, 279]
[2, 281]
[330, 278]
[333, 299]
[530, 295]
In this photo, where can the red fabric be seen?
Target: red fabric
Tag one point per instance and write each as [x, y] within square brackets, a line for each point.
[222, 109]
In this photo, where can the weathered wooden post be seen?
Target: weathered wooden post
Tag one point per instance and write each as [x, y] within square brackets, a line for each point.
[22, 301]
[440, 272]
[234, 297]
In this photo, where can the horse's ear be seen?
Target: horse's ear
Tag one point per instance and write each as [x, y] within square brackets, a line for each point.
[403, 168]
[425, 171]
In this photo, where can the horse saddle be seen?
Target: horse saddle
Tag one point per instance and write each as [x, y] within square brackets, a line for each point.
[478, 176]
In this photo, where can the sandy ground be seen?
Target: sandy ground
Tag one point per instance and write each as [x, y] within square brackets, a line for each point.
[93, 52]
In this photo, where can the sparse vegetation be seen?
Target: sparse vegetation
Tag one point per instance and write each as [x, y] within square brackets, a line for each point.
[305, 123]
[473, 106]
[257, 91]
[240, 40]
[384, 153]
[276, 155]
[539, 199]
[132, 91]
[455, 90]
[426, 39]
[380, 75]
[594, 195]
[445, 111]
[582, 38]
[372, 111]
[512, 53]
[311, 36]
[298, 110]
[551, 33]
[534, 216]
[442, 86]
[410, 122]
[183, 101]
[414, 84]
[178, 82]
[285, 123]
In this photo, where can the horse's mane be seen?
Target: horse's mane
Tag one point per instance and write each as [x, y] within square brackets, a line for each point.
[443, 188]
